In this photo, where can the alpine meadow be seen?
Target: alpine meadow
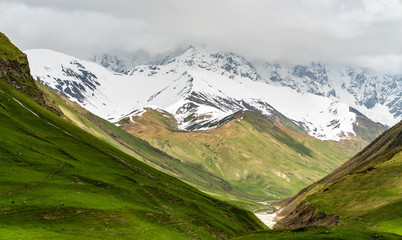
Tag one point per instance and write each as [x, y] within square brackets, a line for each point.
[200, 119]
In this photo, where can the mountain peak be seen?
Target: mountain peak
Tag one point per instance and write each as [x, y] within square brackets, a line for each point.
[224, 63]
[203, 85]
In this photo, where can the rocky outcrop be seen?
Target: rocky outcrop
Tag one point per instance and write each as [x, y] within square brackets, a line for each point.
[306, 215]
[14, 70]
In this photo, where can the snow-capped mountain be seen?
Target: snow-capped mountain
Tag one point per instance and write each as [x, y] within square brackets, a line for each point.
[199, 88]
[376, 95]
[379, 96]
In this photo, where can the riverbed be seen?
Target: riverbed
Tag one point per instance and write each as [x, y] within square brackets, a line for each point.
[267, 218]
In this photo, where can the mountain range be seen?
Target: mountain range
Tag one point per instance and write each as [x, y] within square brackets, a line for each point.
[169, 104]
[68, 173]
[201, 87]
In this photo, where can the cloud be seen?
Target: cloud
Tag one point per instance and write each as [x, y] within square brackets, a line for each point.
[362, 32]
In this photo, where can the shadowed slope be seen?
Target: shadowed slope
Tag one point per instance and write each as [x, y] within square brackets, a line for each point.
[365, 191]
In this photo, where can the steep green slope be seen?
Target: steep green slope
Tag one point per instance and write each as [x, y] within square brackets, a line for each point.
[14, 70]
[319, 233]
[364, 193]
[258, 159]
[58, 181]
[134, 146]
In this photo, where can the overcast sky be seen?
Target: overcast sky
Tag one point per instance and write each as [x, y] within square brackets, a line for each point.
[361, 32]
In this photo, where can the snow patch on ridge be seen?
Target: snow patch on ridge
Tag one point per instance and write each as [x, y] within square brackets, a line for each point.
[139, 112]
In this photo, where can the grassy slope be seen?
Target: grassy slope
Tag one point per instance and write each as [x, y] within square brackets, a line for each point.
[373, 199]
[10, 52]
[105, 192]
[258, 159]
[58, 181]
[87, 121]
[319, 233]
[366, 191]
[134, 146]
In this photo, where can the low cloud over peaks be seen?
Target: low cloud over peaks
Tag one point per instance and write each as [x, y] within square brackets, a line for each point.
[360, 32]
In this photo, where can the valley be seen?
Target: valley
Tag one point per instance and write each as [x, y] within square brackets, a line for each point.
[227, 140]
[58, 181]
[259, 160]
[181, 149]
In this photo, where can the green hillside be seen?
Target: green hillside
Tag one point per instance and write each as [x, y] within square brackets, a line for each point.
[319, 233]
[257, 159]
[109, 133]
[138, 148]
[57, 181]
[364, 193]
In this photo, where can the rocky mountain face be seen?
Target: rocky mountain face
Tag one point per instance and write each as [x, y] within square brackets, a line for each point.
[201, 87]
[376, 95]
[14, 69]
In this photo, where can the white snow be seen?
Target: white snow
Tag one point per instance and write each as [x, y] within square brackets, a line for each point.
[267, 218]
[379, 113]
[351, 85]
[222, 90]
[26, 108]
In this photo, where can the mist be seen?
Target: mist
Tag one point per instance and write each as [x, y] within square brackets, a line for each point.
[366, 33]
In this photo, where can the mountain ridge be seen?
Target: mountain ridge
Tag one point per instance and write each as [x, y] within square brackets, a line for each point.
[197, 84]
[154, 121]
[351, 84]
[250, 152]
[364, 191]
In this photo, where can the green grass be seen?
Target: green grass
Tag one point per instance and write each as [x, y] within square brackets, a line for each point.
[60, 182]
[10, 52]
[372, 200]
[108, 132]
[256, 159]
[365, 192]
[319, 233]
[14, 70]
[393, 225]
[243, 162]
